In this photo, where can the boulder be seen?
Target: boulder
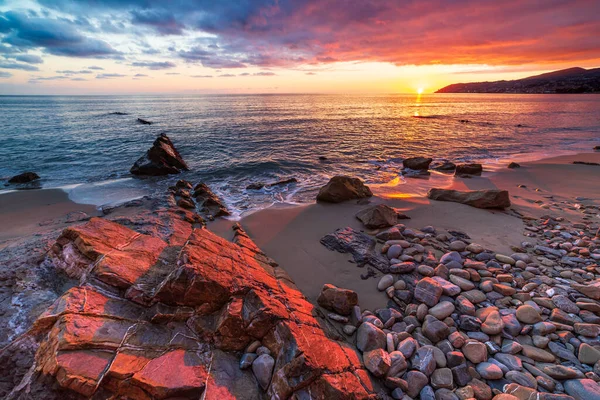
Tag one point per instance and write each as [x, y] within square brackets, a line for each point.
[468, 169]
[489, 198]
[338, 300]
[428, 291]
[514, 165]
[25, 177]
[445, 166]
[263, 370]
[209, 203]
[377, 362]
[359, 245]
[379, 216]
[583, 389]
[417, 163]
[161, 159]
[341, 188]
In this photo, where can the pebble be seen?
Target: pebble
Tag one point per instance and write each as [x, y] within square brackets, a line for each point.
[385, 282]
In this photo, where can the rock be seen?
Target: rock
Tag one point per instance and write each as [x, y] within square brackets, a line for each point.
[338, 300]
[583, 389]
[489, 198]
[25, 177]
[514, 165]
[417, 163]
[481, 390]
[369, 337]
[469, 169]
[263, 370]
[435, 330]
[591, 290]
[418, 381]
[493, 324]
[260, 185]
[359, 245]
[445, 166]
[588, 354]
[379, 216]
[247, 360]
[209, 203]
[565, 304]
[161, 159]
[528, 315]
[385, 282]
[537, 354]
[144, 122]
[377, 361]
[341, 188]
[588, 330]
[489, 371]
[442, 310]
[442, 378]
[476, 352]
[428, 291]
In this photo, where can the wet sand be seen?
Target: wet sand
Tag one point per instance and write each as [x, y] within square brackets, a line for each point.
[25, 213]
[291, 234]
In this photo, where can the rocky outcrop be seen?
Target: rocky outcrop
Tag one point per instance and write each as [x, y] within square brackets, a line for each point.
[209, 203]
[379, 216]
[359, 245]
[161, 159]
[477, 198]
[341, 188]
[417, 163]
[468, 169]
[25, 177]
[144, 122]
[164, 316]
[261, 185]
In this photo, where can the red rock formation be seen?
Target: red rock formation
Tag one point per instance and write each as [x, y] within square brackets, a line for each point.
[153, 319]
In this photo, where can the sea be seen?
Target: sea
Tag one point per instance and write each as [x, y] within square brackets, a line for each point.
[79, 144]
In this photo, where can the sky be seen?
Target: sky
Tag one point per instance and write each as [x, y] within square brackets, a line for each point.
[286, 46]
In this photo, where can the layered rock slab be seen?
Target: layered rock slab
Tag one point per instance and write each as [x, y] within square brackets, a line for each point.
[203, 302]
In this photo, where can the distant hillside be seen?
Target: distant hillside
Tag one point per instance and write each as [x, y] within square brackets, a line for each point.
[571, 80]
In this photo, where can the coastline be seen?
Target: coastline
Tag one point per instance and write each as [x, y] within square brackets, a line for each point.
[290, 234]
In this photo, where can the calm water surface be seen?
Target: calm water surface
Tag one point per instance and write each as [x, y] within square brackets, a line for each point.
[230, 141]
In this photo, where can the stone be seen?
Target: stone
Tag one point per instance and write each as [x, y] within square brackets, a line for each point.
[528, 315]
[493, 324]
[476, 352]
[481, 390]
[161, 159]
[442, 378]
[461, 374]
[340, 301]
[511, 361]
[417, 163]
[428, 291]
[583, 389]
[442, 310]
[369, 337]
[247, 360]
[489, 198]
[262, 368]
[379, 216]
[565, 304]
[489, 371]
[385, 282]
[342, 188]
[537, 354]
[377, 361]
[25, 177]
[588, 330]
[435, 330]
[588, 354]
[398, 364]
[417, 380]
[468, 169]
[591, 289]
[513, 165]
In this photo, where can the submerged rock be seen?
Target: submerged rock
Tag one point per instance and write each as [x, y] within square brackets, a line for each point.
[260, 185]
[341, 188]
[161, 159]
[489, 198]
[444, 166]
[144, 122]
[25, 177]
[469, 169]
[208, 202]
[417, 163]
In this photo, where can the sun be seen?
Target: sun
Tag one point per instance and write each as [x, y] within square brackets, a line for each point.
[420, 90]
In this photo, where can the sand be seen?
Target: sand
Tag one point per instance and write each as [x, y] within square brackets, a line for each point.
[25, 213]
[291, 234]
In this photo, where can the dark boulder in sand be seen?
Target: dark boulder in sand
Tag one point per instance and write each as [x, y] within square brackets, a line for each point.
[469, 169]
[417, 163]
[597, 148]
[338, 300]
[161, 159]
[25, 177]
[359, 245]
[209, 203]
[379, 216]
[341, 188]
[514, 165]
[490, 198]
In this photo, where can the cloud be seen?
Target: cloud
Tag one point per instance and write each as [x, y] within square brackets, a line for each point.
[54, 36]
[161, 20]
[78, 79]
[96, 68]
[109, 76]
[140, 75]
[24, 67]
[71, 72]
[5, 74]
[29, 58]
[201, 76]
[40, 79]
[172, 73]
[226, 76]
[264, 74]
[154, 65]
